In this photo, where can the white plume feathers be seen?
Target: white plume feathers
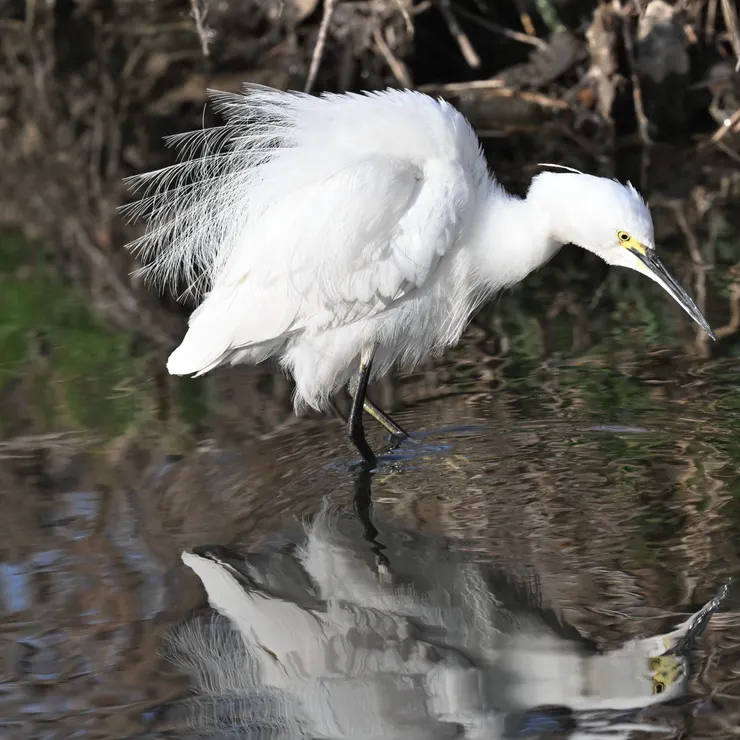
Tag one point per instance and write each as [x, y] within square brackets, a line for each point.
[196, 208]
[274, 145]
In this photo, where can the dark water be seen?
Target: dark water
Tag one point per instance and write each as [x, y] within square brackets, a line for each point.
[605, 488]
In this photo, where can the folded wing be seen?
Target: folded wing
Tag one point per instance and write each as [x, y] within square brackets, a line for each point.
[341, 249]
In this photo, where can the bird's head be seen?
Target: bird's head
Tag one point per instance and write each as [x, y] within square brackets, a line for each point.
[612, 221]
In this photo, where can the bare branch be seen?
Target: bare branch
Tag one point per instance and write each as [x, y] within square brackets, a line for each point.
[318, 50]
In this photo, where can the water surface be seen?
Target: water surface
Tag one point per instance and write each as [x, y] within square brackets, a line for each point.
[614, 479]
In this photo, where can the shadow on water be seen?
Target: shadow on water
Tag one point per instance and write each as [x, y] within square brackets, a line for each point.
[506, 573]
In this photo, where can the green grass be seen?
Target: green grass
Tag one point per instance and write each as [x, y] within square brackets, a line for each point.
[89, 378]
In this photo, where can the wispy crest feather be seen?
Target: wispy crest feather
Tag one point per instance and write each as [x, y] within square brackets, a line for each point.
[196, 209]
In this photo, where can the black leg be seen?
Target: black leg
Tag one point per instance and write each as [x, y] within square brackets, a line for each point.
[363, 510]
[355, 430]
[383, 419]
[377, 413]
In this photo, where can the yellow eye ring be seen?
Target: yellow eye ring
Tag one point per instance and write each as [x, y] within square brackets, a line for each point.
[623, 236]
[654, 664]
[658, 688]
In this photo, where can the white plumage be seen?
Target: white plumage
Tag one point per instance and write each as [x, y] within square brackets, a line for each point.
[325, 229]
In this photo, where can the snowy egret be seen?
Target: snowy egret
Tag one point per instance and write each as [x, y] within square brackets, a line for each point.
[314, 642]
[345, 233]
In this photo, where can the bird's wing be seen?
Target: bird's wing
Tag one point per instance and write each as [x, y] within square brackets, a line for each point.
[339, 249]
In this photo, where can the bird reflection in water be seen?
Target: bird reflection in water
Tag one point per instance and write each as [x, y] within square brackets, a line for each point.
[312, 640]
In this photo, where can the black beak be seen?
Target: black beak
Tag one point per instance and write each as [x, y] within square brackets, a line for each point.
[700, 621]
[651, 260]
[228, 559]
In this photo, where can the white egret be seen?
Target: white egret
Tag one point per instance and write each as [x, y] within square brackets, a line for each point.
[344, 233]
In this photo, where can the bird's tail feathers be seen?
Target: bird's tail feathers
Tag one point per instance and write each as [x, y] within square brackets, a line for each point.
[232, 325]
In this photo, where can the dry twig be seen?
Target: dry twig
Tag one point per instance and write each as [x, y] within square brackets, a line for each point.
[700, 267]
[199, 11]
[404, 11]
[496, 89]
[629, 46]
[728, 126]
[711, 21]
[643, 123]
[462, 87]
[399, 69]
[729, 13]
[733, 325]
[524, 38]
[601, 39]
[466, 48]
[318, 50]
[525, 18]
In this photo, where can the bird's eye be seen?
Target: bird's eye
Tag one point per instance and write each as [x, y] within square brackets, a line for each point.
[659, 687]
[654, 664]
[623, 236]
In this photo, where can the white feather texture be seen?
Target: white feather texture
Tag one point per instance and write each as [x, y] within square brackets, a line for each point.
[316, 229]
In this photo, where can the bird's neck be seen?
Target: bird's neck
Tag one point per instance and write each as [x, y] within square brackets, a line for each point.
[514, 239]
